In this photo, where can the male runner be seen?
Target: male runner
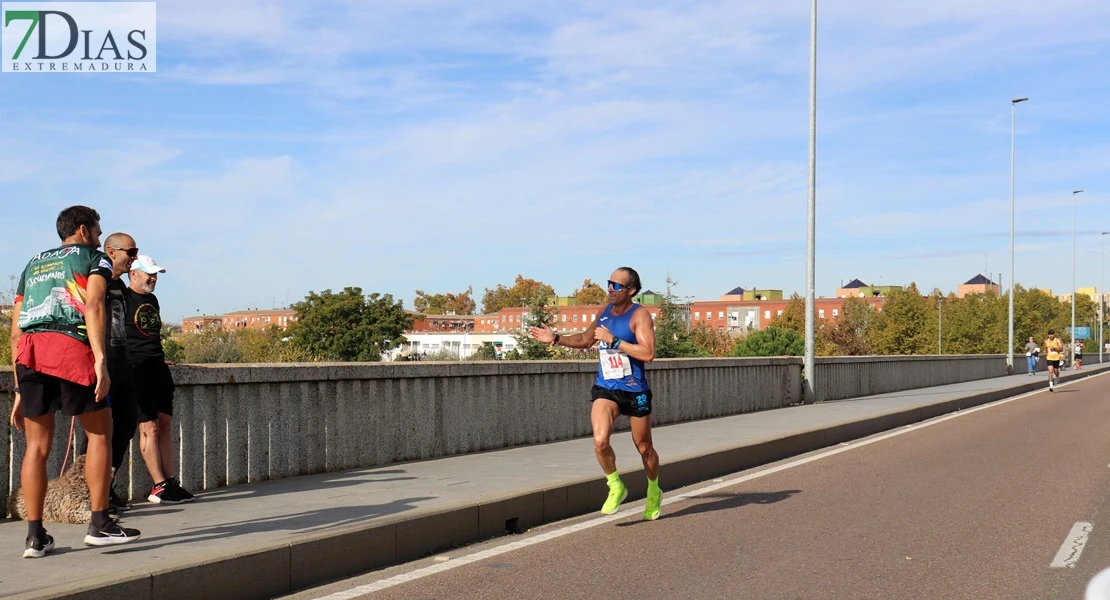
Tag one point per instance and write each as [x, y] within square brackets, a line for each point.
[1078, 355]
[1053, 346]
[57, 342]
[627, 336]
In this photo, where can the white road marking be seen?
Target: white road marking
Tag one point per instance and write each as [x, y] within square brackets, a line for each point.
[1073, 546]
[569, 529]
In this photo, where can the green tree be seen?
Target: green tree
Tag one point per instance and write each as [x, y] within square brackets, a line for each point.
[902, 325]
[711, 342]
[7, 298]
[522, 291]
[349, 326]
[771, 342]
[590, 293]
[174, 350]
[1035, 312]
[847, 335]
[445, 304]
[974, 324]
[793, 317]
[539, 314]
[485, 352]
[210, 346]
[672, 331]
[269, 345]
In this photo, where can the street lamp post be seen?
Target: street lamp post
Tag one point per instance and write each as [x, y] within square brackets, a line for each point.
[809, 387]
[1010, 347]
[1101, 293]
[1074, 293]
[940, 323]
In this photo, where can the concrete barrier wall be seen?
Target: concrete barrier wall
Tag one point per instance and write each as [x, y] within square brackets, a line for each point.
[840, 377]
[240, 423]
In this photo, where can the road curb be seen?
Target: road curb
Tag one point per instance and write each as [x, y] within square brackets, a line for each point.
[318, 558]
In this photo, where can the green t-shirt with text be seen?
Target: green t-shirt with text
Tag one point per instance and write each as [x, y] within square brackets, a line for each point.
[54, 286]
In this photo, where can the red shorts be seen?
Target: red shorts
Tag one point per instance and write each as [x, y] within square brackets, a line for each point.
[58, 355]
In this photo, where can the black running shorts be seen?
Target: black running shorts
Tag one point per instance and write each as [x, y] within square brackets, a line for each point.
[1054, 364]
[631, 404]
[153, 389]
[42, 394]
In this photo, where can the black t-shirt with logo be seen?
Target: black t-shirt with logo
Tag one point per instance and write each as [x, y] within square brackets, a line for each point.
[144, 327]
[116, 314]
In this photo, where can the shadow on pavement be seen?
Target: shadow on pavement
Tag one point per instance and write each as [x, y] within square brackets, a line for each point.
[731, 501]
[287, 485]
[303, 522]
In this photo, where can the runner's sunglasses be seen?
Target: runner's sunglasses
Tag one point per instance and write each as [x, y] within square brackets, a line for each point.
[616, 287]
[132, 252]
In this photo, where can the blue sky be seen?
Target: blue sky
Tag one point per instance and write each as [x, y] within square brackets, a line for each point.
[284, 147]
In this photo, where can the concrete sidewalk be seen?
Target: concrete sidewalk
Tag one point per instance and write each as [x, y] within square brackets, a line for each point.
[266, 539]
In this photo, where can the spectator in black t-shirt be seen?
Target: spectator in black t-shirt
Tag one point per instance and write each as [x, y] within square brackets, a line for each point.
[121, 250]
[153, 382]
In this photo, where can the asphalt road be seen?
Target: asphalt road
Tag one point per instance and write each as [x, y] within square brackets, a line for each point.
[972, 505]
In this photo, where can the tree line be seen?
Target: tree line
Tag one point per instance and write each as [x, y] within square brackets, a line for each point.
[350, 326]
[521, 293]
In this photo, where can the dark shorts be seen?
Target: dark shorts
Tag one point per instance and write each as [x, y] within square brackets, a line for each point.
[122, 397]
[631, 404]
[1078, 356]
[153, 389]
[1054, 364]
[122, 391]
[43, 394]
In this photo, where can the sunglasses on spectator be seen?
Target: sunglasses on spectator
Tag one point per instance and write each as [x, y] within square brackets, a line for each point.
[132, 252]
[616, 287]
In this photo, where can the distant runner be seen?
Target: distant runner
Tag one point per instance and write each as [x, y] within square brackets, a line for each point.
[1053, 346]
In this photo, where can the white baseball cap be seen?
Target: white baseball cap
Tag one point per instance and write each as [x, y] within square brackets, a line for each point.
[146, 264]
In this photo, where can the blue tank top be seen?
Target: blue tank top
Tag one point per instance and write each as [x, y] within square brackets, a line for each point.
[620, 326]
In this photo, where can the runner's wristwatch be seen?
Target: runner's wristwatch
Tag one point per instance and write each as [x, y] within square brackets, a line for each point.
[615, 343]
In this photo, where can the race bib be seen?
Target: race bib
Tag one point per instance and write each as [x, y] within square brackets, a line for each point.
[614, 364]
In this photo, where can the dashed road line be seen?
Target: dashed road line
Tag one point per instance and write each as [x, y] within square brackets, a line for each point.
[1073, 546]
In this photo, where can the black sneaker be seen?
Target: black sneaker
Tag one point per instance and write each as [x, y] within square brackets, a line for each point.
[38, 547]
[165, 493]
[117, 503]
[110, 535]
[184, 493]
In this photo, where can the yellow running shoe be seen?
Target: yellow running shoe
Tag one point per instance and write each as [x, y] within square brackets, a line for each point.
[654, 500]
[617, 493]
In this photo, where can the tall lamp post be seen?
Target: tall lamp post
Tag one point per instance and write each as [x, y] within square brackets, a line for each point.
[1101, 293]
[1074, 294]
[809, 387]
[1010, 347]
[940, 323]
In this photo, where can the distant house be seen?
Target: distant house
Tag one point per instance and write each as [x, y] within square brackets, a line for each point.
[736, 293]
[978, 285]
[854, 289]
[199, 323]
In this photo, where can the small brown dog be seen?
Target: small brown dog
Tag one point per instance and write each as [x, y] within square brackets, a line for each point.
[67, 498]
